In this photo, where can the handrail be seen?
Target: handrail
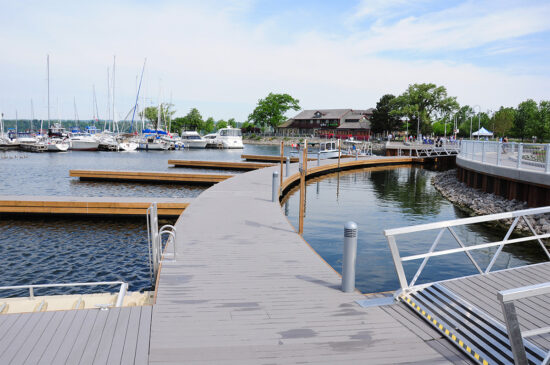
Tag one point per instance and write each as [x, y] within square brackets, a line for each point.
[448, 225]
[31, 287]
[515, 335]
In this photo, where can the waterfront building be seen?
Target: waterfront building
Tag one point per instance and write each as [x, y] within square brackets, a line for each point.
[330, 123]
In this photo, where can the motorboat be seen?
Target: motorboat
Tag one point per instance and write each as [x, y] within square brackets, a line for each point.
[325, 149]
[192, 139]
[127, 142]
[83, 141]
[225, 138]
[152, 140]
[56, 144]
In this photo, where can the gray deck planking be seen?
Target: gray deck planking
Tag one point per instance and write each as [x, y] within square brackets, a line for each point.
[85, 336]
[246, 289]
[481, 291]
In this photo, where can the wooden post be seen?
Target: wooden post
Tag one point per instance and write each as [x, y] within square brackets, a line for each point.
[302, 189]
[339, 152]
[282, 162]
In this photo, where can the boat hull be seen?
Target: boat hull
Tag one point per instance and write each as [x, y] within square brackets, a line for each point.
[84, 146]
[58, 147]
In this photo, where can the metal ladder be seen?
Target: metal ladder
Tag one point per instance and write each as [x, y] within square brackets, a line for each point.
[155, 239]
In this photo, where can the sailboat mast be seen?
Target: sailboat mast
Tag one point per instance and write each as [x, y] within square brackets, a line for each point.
[114, 115]
[108, 101]
[48, 72]
[32, 115]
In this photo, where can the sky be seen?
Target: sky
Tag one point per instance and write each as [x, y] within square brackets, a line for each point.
[223, 56]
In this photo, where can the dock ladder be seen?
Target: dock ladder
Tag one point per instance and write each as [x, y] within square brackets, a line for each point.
[474, 330]
[158, 240]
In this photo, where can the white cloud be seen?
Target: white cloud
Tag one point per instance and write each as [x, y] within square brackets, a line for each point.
[208, 56]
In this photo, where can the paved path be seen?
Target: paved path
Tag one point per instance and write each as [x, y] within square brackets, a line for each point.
[246, 289]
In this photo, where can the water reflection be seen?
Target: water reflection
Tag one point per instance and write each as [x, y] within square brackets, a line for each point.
[389, 197]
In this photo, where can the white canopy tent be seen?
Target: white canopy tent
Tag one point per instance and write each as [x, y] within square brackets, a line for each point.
[482, 133]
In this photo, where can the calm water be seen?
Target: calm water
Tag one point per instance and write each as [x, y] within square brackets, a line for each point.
[23, 173]
[53, 250]
[382, 198]
[62, 250]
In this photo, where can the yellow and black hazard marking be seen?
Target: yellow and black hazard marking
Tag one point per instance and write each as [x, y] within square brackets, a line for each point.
[450, 335]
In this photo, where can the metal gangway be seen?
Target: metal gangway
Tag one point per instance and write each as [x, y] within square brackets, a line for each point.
[495, 317]
[157, 242]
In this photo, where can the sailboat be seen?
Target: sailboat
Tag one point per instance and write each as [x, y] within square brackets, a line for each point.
[56, 140]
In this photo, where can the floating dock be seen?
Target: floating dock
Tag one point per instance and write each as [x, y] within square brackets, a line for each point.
[220, 165]
[90, 206]
[149, 176]
[271, 158]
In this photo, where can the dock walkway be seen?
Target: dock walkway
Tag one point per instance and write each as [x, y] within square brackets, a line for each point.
[85, 336]
[246, 289]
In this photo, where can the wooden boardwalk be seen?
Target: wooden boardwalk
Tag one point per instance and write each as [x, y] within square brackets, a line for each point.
[246, 289]
[89, 205]
[86, 336]
[149, 176]
[219, 165]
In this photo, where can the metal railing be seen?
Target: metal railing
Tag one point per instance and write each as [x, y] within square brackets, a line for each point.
[527, 156]
[120, 298]
[448, 226]
[425, 150]
[155, 240]
[515, 335]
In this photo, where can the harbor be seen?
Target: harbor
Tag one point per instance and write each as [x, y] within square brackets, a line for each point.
[267, 183]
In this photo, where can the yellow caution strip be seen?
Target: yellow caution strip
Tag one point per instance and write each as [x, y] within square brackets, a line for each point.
[445, 330]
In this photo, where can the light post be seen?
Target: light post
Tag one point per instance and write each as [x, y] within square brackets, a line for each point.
[418, 125]
[478, 121]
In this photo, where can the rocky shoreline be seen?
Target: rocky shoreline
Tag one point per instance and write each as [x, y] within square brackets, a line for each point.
[475, 202]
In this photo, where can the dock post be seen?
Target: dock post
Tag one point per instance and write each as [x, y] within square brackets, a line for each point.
[282, 161]
[287, 166]
[350, 254]
[318, 158]
[303, 169]
[339, 153]
[547, 159]
[274, 188]
[356, 154]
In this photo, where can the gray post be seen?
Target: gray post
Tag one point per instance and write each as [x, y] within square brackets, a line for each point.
[287, 165]
[350, 254]
[356, 154]
[520, 153]
[319, 158]
[483, 152]
[514, 331]
[499, 152]
[547, 169]
[274, 186]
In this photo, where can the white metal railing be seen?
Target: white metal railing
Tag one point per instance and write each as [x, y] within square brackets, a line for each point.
[155, 240]
[448, 226]
[120, 298]
[516, 336]
[528, 156]
[420, 149]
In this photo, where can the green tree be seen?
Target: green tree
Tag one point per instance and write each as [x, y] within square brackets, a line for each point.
[231, 122]
[526, 118]
[382, 120]
[209, 125]
[221, 124]
[424, 101]
[152, 115]
[270, 111]
[503, 121]
[544, 120]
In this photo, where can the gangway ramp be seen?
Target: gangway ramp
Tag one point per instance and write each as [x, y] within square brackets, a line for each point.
[474, 312]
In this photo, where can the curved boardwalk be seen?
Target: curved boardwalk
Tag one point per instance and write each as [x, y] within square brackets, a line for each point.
[246, 289]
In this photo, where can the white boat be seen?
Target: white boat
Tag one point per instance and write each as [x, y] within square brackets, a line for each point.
[152, 143]
[57, 145]
[192, 139]
[83, 142]
[127, 142]
[328, 149]
[225, 138]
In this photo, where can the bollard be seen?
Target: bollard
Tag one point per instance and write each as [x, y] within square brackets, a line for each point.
[274, 187]
[287, 165]
[318, 158]
[350, 254]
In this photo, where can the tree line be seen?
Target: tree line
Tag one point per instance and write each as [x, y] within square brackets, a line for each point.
[427, 109]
